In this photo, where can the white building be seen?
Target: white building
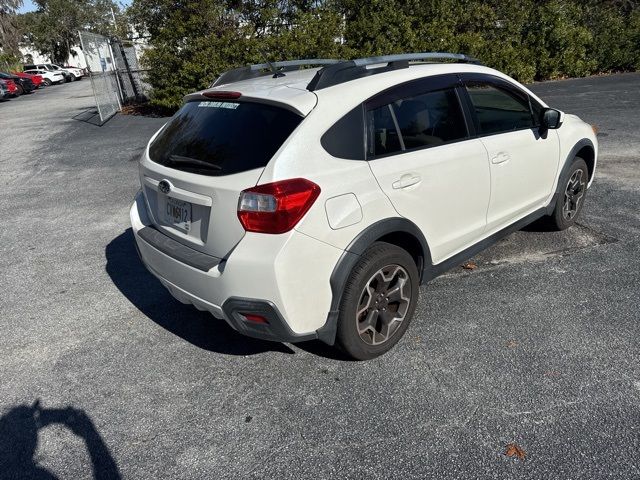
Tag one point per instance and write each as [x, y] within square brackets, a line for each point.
[31, 55]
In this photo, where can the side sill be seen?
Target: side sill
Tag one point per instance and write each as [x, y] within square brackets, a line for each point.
[433, 271]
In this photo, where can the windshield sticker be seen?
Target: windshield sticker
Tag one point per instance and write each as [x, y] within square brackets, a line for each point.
[229, 105]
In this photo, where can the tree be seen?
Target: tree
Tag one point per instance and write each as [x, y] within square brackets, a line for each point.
[9, 30]
[192, 42]
[53, 28]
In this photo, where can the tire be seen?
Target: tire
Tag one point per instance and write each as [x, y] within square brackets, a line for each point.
[47, 82]
[20, 90]
[371, 322]
[573, 191]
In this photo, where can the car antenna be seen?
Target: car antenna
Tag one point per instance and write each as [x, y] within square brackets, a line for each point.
[276, 73]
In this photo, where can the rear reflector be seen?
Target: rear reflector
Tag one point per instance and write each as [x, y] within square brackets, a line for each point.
[222, 95]
[276, 207]
[252, 317]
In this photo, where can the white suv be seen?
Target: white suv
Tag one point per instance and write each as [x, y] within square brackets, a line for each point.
[70, 73]
[49, 77]
[311, 203]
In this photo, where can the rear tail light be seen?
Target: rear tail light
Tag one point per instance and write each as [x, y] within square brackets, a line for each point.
[276, 207]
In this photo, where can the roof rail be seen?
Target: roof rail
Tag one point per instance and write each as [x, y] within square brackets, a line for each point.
[352, 69]
[264, 69]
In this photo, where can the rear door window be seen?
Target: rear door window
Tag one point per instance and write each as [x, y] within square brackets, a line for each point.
[431, 119]
[383, 134]
[413, 122]
[222, 137]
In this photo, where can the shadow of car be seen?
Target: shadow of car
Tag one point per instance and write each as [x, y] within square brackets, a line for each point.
[145, 292]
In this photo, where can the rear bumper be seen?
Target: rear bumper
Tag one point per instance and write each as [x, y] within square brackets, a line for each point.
[261, 275]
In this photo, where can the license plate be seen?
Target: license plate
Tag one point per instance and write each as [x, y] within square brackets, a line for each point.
[178, 213]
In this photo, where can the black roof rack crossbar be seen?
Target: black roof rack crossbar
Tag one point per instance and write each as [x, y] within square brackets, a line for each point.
[352, 69]
[263, 69]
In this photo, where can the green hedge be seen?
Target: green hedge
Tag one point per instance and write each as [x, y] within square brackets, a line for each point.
[194, 41]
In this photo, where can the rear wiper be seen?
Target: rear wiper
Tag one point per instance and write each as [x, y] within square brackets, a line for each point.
[193, 161]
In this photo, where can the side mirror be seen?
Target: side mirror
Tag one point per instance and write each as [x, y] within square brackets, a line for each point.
[551, 119]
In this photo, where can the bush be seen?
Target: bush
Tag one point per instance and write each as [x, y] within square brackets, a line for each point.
[192, 42]
[9, 62]
[558, 41]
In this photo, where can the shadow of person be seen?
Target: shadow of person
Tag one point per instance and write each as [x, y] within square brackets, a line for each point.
[147, 293]
[19, 440]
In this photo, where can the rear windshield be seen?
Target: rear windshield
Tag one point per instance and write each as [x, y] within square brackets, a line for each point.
[222, 137]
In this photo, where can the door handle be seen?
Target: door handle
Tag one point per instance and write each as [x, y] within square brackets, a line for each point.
[500, 158]
[406, 181]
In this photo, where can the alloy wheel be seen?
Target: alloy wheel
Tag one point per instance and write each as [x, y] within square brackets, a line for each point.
[573, 194]
[383, 304]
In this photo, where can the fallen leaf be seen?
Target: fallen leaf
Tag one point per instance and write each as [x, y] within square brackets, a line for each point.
[512, 344]
[469, 266]
[514, 450]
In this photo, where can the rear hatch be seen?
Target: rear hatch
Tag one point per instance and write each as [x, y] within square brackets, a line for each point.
[200, 161]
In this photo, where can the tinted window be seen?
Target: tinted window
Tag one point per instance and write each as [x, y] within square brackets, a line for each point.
[430, 119]
[383, 137]
[424, 120]
[221, 138]
[498, 110]
[536, 108]
[345, 139]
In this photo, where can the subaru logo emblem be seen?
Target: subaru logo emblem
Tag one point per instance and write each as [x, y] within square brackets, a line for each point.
[164, 186]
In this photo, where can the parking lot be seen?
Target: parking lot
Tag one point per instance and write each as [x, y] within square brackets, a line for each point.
[104, 375]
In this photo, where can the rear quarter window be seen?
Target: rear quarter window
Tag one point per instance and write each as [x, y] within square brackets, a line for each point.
[222, 137]
[345, 139]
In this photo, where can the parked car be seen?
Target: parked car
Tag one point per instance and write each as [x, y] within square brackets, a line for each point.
[77, 71]
[311, 204]
[4, 90]
[70, 75]
[25, 85]
[36, 79]
[49, 77]
[11, 88]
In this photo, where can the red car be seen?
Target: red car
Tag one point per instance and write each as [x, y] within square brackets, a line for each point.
[12, 88]
[36, 79]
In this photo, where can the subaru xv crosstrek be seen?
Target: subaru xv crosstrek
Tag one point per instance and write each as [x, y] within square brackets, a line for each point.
[310, 199]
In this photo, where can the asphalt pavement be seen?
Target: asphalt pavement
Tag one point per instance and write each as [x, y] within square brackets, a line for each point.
[104, 375]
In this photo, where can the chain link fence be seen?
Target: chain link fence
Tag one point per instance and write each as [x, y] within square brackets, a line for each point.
[97, 53]
[116, 76]
[130, 75]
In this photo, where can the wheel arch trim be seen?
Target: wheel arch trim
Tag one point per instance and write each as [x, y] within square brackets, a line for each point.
[352, 254]
[585, 142]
